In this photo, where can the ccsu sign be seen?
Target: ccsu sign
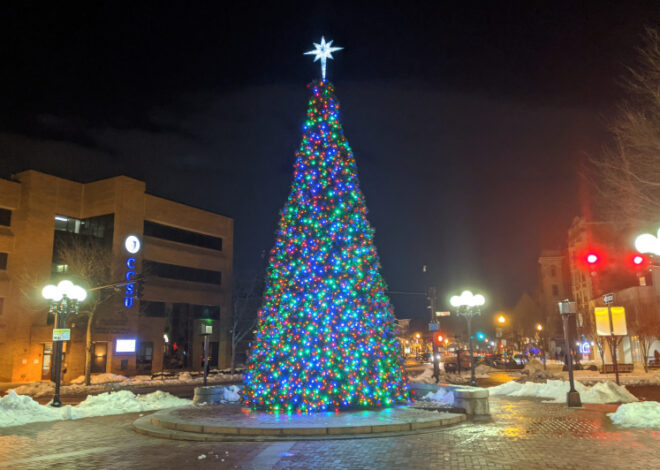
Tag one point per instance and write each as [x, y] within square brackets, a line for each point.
[133, 246]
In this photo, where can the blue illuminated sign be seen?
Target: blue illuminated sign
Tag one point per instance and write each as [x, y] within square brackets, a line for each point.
[132, 245]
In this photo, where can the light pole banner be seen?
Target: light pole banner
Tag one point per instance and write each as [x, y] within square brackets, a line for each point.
[619, 327]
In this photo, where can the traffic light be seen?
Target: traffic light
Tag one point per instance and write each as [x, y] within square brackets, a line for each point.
[592, 259]
[439, 338]
[481, 336]
[638, 262]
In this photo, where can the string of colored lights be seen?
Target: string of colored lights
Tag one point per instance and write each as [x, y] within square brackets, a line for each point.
[325, 338]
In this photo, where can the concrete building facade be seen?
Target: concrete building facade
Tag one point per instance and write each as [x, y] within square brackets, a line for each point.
[186, 256]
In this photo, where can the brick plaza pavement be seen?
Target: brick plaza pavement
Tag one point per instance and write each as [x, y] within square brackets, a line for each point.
[524, 434]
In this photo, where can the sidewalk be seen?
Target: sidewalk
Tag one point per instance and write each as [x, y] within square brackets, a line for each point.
[524, 434]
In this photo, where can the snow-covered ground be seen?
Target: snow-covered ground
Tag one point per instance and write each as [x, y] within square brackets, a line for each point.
[16, 409]
[555, 391]
[643, 414]
[105, 382]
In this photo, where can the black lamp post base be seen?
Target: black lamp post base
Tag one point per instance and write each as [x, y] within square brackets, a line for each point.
[573, 399]
[56, 403]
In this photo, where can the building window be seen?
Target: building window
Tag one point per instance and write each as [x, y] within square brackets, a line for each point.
[3, 260]
[211, 312]
[61, 268]
[5, 217]
[98, 227]
[181, 273]
[555, 290]
[153, 229]
[553, 271]
[152, 309]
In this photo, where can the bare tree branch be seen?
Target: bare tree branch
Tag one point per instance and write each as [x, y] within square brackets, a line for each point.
[627, 181]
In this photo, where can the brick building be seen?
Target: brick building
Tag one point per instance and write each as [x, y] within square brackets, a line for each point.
[186, 255]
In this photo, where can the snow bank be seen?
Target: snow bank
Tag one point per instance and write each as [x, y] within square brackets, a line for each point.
[533, 365]
[643, 414]
[555, 390]
[97, 379]
[35, 389]
[482, 370]
[107, 382]
[425, 377]
[16, 410]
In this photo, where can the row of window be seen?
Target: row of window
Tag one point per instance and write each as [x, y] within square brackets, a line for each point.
[181, 273]
[163, 309]
[153, 229]
[98, 227]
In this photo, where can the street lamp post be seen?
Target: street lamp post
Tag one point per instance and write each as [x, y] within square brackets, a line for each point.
[64, 299]
[566, 309]
[469, 306]
[539, 332]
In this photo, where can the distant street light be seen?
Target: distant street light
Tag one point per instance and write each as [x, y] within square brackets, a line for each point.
[469, 305]
[539, 327]
[501, 319]
[65, 299]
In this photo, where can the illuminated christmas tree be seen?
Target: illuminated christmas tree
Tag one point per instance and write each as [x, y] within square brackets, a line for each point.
[326, 332]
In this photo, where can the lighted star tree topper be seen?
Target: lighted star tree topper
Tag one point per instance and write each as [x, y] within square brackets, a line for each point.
[326, 333]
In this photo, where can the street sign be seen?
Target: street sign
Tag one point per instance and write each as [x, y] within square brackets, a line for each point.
[61, 334]
[619, 327]
[433, 327]
[442, 314]
[608, 298]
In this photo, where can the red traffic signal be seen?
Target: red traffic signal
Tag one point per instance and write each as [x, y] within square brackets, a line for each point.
[439, 338]
[592, 259]
[637, 261]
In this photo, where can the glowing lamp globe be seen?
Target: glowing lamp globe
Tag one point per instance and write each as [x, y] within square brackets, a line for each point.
[51, 292]
[647, 243]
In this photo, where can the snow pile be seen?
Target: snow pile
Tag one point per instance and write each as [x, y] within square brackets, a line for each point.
[97, 379]
[426, 377]
[20, 409]
[643, 414]
[113, 403]
[482, 370]
[535, 372]
[36, 389]
[440, 396]
[16, 410]
[533, 365]
[106, 382]
[231, 393]
[556, 390]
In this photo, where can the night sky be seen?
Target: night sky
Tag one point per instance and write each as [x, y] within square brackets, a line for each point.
[469, 121]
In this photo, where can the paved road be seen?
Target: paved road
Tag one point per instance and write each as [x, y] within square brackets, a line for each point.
[524, 434]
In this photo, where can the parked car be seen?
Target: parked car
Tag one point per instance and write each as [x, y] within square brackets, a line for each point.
[505, 361]
[451, 362]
